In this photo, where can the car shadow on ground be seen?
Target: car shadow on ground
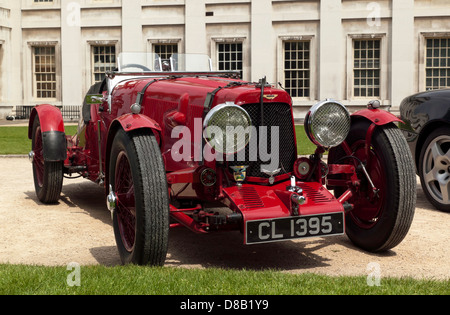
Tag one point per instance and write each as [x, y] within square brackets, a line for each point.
[86, 196]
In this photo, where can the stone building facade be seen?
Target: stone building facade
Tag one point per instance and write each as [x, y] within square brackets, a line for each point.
[354, 51]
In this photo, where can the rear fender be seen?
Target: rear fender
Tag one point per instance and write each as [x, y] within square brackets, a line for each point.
[53, 133]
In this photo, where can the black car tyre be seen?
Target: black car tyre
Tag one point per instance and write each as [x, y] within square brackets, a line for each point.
[434, 168]
[141, 217]
[379, 222]
[48, 176]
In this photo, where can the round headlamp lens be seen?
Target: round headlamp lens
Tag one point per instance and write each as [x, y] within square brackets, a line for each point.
[227, 128]
[328, 124]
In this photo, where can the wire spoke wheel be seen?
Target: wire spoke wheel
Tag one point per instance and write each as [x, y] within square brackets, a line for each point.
[381, 217]
[141, 216]
[126, 212]
[368, 205]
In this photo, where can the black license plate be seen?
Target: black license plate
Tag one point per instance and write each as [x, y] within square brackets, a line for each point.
[283, 229]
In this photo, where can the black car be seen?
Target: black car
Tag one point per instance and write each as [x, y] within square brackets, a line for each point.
[427, 130]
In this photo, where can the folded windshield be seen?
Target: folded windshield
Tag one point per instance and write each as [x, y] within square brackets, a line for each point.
[150, 62]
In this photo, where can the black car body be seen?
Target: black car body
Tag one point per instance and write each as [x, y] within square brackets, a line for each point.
[426, 127]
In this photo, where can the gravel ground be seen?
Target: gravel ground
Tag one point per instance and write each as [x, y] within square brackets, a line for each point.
[79, 229]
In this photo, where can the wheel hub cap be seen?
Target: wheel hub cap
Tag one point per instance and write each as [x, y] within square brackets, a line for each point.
[111, 201]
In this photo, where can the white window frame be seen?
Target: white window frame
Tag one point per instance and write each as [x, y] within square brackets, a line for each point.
[93, 73]
[383, 67]
[215, 41]
[312, 64]
[56, 45]
[89, 74]
[424, 36]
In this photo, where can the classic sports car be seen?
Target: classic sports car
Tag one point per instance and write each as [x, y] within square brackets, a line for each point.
[427, 130]
[181, 145]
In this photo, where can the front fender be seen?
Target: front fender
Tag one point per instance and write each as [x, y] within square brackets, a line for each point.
[377, 116]
[132, 122]
[129, 123]
[52, 129]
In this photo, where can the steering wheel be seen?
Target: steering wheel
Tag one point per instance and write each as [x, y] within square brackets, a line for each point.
[135, 65]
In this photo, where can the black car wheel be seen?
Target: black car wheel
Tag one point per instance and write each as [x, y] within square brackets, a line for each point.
[434, 168]
[378, 221]
[141, 216]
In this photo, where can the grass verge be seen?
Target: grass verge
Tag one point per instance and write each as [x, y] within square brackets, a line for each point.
[14, 140]
[134, 280]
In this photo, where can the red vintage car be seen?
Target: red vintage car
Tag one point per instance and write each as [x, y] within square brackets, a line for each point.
[176, 144]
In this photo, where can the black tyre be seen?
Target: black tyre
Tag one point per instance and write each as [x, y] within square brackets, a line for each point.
[434, 168]
[48, 176]
[379, 221]
[141, 217]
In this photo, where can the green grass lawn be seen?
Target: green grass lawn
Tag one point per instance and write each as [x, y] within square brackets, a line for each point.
[18, 280]
[304, 145]
[14, 140]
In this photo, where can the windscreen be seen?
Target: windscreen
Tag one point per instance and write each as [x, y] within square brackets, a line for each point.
[150, 62]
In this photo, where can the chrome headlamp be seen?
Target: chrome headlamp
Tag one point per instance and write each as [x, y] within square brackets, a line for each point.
[327, 124]
[227, 128]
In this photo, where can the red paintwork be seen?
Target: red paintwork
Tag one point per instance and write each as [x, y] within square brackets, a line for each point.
[130, 122]
[377, 116]
[268, 203]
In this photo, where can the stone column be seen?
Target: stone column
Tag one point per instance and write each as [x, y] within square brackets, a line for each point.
[263, 48]
[195, 27]
[331, 60]
[403, 51]
[71, 52]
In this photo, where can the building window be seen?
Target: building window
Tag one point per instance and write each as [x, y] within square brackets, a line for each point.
[438, 63]
[367, 67]
[43, 0]
[165, 51]
[103, 59]
[44, 71]
[230, 57]
[297, 75]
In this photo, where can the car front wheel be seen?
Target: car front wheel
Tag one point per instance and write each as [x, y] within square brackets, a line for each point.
[141, 215]
[381, 217]
[434, 168]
